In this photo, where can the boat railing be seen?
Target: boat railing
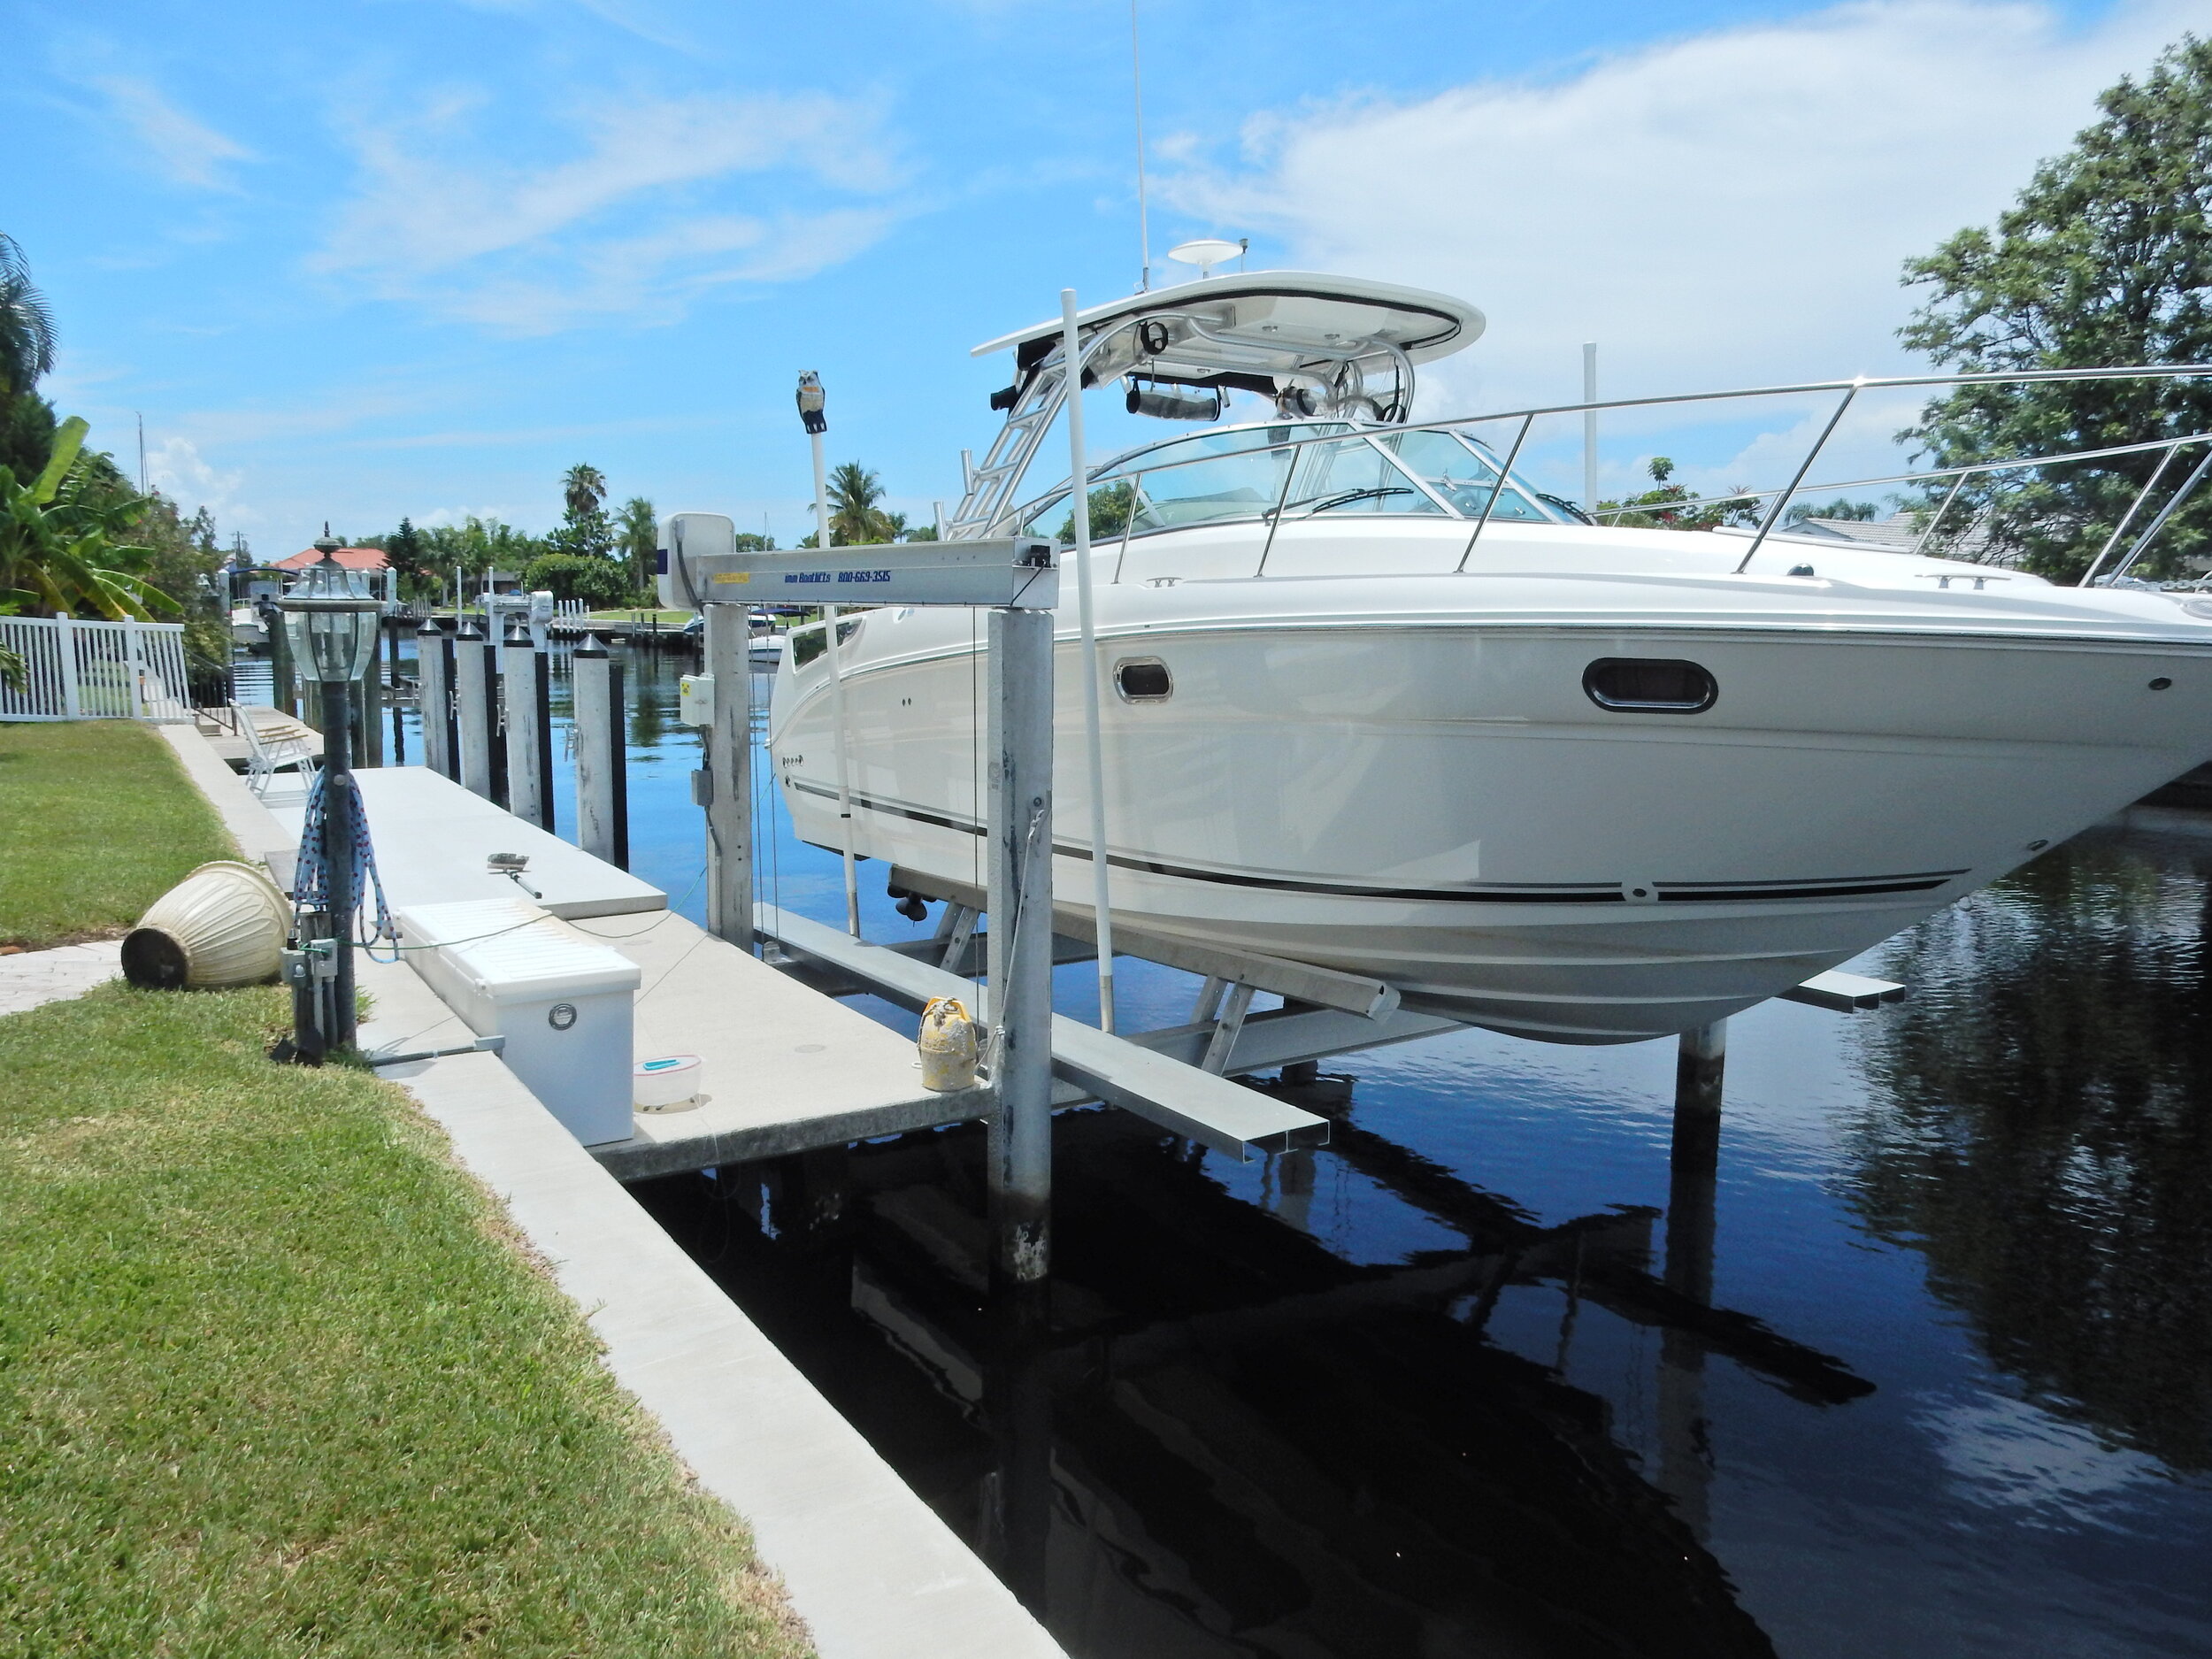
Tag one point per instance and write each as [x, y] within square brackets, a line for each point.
[1288, 451]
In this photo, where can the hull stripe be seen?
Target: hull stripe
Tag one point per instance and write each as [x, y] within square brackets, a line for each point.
[1500, 893]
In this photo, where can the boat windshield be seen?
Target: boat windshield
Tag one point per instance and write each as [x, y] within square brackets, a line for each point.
[1254, 472]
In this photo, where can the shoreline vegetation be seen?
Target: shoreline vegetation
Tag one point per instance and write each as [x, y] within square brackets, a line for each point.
[276, 1376]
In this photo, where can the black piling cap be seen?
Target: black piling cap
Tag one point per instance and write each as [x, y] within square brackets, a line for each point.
[429, 626]
[591, 646]
[516, 634]
[468, 629]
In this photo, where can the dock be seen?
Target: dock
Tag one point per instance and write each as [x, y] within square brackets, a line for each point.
[433, 839]
[867, 1564]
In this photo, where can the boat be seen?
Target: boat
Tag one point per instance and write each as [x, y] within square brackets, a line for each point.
[247, 631]
[1373, 700]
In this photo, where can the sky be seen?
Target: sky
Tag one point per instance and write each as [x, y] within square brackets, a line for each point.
[374, 258]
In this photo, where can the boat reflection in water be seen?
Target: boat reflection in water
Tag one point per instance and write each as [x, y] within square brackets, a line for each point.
[2039, 1125]
[1231, 1439]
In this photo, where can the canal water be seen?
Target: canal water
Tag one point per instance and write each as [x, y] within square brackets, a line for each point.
[1927, 1370]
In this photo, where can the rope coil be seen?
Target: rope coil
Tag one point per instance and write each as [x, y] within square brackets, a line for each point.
[312, 889]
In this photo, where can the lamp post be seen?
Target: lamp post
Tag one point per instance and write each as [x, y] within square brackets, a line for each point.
[330, 621]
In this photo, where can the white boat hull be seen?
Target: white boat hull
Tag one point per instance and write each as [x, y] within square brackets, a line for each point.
[1405, 777]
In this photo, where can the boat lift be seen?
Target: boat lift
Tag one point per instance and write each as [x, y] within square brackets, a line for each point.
[1178, 1077]
[1016, 580]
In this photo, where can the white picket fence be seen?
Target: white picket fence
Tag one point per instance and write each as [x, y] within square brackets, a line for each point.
[96, 670]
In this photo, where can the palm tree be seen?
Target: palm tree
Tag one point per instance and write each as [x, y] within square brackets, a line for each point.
[854, 492]
[583, 487]
[637, 533]
[26, 326]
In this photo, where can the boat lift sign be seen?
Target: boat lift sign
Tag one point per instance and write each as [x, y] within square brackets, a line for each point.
[1020, 572]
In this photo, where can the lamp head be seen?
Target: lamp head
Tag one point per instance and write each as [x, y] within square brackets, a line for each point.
[330, 616]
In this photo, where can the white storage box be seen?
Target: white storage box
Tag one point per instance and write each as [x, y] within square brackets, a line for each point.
[562, 999]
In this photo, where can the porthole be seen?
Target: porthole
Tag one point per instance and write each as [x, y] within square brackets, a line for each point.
[1143, 679]
[1650, 685]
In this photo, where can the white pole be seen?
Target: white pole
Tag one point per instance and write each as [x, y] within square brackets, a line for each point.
[1144, 233]
[1590, 428]
[837, 703]
[1070, 356]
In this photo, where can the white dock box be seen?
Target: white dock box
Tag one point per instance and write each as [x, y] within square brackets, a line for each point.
[561, 998]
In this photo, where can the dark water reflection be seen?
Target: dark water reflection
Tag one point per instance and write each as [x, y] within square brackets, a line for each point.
[2037, 1125]
[1922, 1367]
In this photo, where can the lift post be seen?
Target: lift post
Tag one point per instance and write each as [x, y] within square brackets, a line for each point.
[1017, 579]
[727, 783]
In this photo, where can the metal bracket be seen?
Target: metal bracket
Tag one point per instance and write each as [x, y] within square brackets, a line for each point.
[1224, 1041]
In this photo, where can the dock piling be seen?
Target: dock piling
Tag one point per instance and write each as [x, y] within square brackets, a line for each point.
[434, 696]
[474, 700]
[1693, 1182]
[495, 713]
[1699, 1066]
[602, 815]
[1021, 944]
[368, 705]
[728, 783]
[529, 736]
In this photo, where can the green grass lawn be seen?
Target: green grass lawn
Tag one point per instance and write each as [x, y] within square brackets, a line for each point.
[274, 1380]
[97, 820]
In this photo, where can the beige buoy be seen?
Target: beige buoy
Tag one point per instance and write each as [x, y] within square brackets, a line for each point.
[949, 1046]
[222, 924]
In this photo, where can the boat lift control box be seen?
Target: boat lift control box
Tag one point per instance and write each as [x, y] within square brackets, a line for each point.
[562, 999]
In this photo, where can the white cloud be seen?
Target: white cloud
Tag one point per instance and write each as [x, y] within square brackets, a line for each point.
[178, 470]
[1724, 209]
[632, 224]
[187, 150]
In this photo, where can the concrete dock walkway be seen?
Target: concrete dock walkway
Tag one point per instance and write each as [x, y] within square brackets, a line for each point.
[867, 1563]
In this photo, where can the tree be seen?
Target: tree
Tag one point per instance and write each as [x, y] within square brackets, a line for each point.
[1658, 509]
[567, 576]
[476, 546]
[182, 559]
[1841, 508]
[1111, 507]
[2104, 260]
[637, 538]
[27, 353]
[408, 555]
[855, 517]
[27, 322]
[585, 532]
[61, 546]
[583, 487]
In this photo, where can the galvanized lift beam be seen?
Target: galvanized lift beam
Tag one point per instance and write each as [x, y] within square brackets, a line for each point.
[1293, 981]
[1842, 993]
[1091, 1065]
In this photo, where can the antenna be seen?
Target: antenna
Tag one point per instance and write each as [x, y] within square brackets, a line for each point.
[1206, 252]
[141, 453]
[1136, 83]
